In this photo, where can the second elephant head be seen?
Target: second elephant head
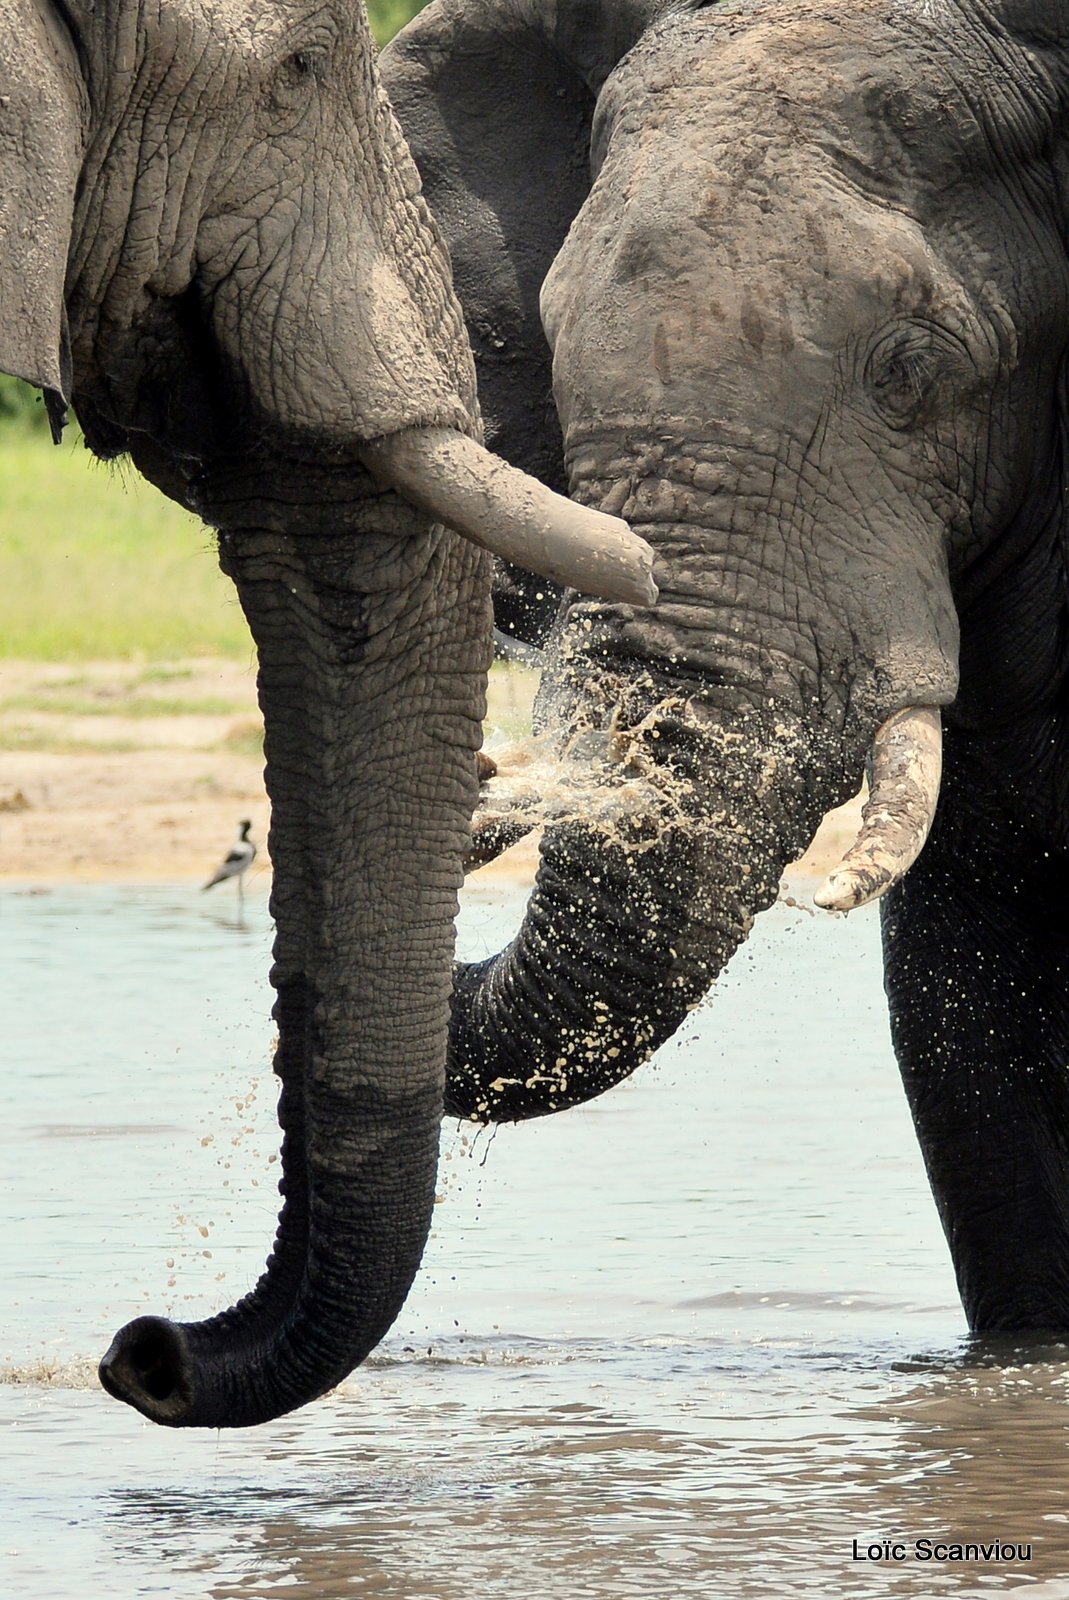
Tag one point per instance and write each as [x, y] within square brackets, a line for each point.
[797, 277]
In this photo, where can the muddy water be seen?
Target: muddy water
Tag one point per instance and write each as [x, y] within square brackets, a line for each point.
[694, 1340]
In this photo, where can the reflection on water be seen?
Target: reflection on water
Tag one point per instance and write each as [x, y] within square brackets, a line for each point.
[692, 1340]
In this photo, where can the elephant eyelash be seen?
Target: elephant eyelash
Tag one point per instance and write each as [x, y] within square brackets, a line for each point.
[307, 64]
[899, 374]
[300, 70]
[914, 372]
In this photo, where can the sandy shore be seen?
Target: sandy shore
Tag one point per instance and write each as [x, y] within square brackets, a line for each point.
[115, 772]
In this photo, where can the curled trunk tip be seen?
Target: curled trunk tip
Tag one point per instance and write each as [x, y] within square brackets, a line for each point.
[907, 763]
[148, 1365]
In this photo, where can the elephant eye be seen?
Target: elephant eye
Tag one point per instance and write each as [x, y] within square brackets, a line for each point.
[299, 73]
[901, 372]
[306, 64]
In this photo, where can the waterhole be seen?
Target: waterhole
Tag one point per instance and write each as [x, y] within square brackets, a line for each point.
[700, 1338]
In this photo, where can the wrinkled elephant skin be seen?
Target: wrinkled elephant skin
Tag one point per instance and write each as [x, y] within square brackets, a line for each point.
[213, 244]
[797, 275]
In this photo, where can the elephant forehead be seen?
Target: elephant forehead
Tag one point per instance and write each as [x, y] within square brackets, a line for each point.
[795, 256]
[245, 22]
[175, 44]
[854, 81]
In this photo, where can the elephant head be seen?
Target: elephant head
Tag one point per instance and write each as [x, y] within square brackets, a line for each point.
[797, 275]
[213, 242]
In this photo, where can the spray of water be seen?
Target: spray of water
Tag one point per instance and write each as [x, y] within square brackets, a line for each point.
[612, 778]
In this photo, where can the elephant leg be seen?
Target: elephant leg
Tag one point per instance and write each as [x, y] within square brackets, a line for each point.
[976, 949]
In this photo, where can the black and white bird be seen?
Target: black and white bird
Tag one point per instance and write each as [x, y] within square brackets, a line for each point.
[238, 862]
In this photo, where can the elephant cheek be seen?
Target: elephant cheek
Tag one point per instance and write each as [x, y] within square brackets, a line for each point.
[353, 331]
[354, 362]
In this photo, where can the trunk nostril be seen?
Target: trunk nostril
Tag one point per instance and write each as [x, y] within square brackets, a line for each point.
[150, 1361]
[148, 1366]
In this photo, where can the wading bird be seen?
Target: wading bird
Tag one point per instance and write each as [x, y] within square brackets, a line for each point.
[238, 862]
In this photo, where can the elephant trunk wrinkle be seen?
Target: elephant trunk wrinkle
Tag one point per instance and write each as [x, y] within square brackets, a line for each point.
[765, 592]
[703, 758]
[361, 964]
[631, 921]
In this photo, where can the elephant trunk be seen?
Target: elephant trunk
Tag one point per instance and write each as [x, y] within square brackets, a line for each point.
[733, 716]
[371, 712]
[624, 934]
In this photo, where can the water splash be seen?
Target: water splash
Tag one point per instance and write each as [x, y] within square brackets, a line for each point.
[613, 776]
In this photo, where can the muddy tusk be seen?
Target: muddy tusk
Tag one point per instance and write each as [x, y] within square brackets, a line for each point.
[502, 509]
[907, 763]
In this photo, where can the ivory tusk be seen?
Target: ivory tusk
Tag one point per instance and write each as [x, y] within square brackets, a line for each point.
[504, 510]
[907, 762]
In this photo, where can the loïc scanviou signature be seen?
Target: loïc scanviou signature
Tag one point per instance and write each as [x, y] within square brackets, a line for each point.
[940, 1550]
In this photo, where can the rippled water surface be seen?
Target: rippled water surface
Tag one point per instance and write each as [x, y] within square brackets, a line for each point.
[693, 1340]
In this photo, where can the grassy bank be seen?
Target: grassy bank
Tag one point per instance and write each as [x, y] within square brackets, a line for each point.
[95, 565]
[98, 567]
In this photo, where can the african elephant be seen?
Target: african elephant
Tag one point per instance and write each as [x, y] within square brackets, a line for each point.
[803, 277]
[212, 242]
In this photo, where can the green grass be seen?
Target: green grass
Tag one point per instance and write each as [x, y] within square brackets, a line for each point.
[509, 696]
[98, 567]
[389, 15]
[95, 565]
[245, 738]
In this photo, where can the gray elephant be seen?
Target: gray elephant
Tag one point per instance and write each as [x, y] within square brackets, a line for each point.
[212, 241]
[804, 281]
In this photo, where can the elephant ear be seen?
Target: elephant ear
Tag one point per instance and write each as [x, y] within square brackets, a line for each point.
[1045, 22]
[42, 123]
[496, 99]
